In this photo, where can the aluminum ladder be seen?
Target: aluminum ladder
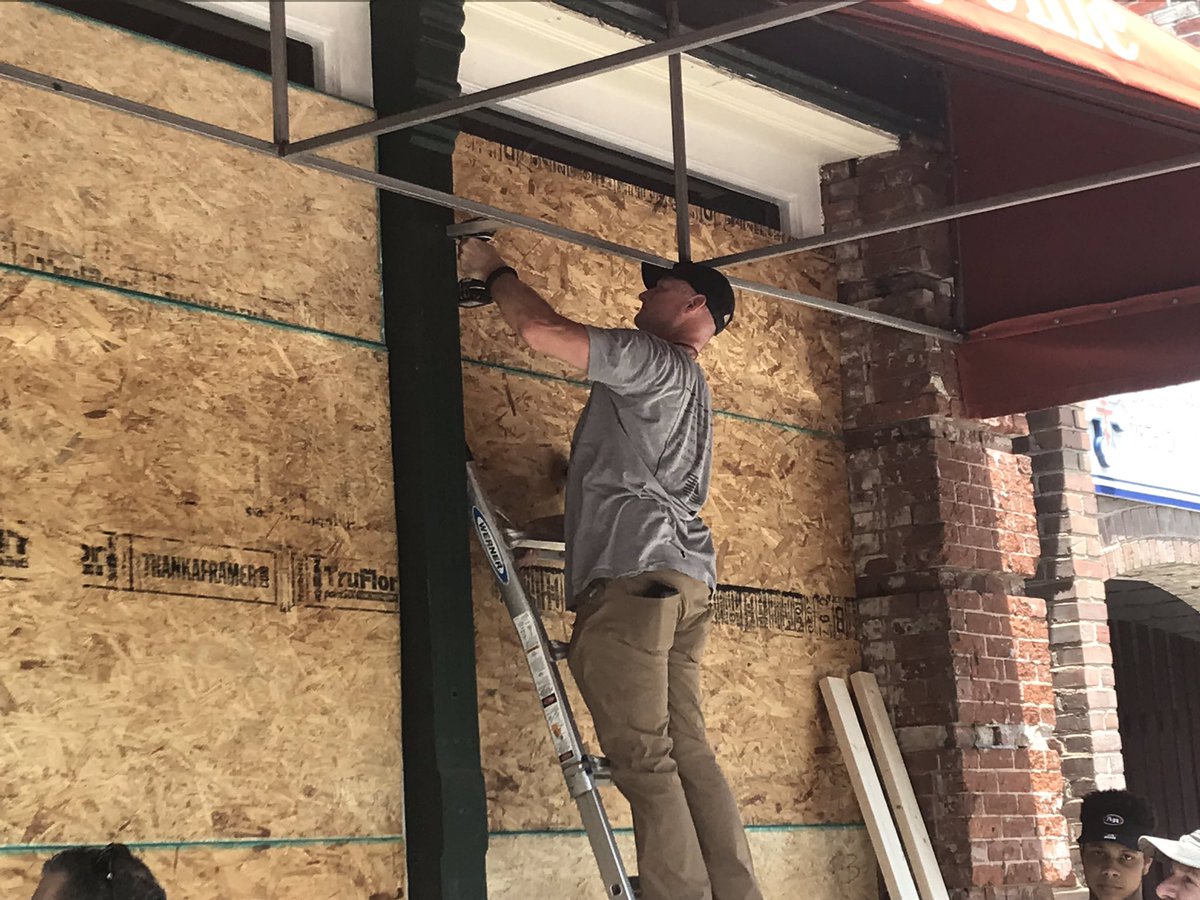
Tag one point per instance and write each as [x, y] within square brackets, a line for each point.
[583, 773]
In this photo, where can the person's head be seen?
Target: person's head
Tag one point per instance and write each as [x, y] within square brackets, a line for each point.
[97, 873]
[687, 304]
[1113, 863]
[1183, 857]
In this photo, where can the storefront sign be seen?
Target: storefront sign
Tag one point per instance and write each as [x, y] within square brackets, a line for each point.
[1144, 445]
[1104, 25]
[1100, 35]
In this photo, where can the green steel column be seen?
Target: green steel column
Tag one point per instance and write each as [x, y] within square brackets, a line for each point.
[415, 47]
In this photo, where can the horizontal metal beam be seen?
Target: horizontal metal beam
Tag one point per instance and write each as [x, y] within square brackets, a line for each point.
[441, 198]
[490, 225]
[482, 210]
[682, 43]
[141, 110]
[964, 210]
[846, 311]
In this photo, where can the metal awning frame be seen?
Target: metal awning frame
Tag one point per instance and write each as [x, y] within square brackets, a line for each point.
[301, 152]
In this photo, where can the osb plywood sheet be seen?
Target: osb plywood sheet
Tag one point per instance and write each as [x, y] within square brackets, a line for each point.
[777, 361]
[817, 863]
[761, 683]
[761, 704]
[778, 507]
[141, 418]
[339, 872]
[109, 198]
[198, 564]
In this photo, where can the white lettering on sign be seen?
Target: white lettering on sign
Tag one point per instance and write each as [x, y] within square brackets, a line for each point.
[1096, 23]
[1110, 21]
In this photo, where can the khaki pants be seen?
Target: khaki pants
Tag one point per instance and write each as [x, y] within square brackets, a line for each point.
[635, 654]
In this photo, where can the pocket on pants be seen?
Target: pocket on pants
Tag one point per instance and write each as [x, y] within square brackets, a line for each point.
[646, 623]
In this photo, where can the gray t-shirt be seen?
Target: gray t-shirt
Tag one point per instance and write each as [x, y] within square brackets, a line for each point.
[640, 463]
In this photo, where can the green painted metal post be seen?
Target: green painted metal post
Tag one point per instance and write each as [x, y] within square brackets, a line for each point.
[415, 48]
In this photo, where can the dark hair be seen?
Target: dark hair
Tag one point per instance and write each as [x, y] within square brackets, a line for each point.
[86, 872]
[1133, 807]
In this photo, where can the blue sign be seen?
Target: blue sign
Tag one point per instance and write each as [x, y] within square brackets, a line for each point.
[1144, 445]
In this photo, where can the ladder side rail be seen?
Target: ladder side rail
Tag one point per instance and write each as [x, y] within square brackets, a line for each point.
[577, 766]
[532, 636]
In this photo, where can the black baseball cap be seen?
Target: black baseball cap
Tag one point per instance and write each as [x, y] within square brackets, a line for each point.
[1115, 816]
[704, 280]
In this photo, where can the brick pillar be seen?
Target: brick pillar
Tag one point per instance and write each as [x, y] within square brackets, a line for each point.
[1070, 577]
[944, 535]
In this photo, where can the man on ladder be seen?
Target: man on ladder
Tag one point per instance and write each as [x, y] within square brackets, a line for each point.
[641, 566]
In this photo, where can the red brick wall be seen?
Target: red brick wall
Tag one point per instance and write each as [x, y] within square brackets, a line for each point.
[1186, 29]
[926, 494]
[1144, 7]
[1070, 576]
[944, 534]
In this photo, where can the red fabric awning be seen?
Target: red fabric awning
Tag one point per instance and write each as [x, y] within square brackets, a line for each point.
[1100, 35]
[1085, 295]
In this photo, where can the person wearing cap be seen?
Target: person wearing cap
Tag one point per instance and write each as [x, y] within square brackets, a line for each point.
[641, 566]
[1183, 856]
[87, 873]
[1113, 823]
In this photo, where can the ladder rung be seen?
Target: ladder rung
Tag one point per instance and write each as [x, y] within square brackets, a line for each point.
[614, 890]
[518, 540]
[600, 768]
[558, 649]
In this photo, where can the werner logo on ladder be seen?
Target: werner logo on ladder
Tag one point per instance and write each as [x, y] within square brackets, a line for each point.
[640, 571]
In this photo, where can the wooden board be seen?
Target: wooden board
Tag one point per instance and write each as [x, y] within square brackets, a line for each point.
[776, 361]
[335, 872]
[875, 810]
[202, 627]
[826, 862]
[899, 788]
[131, 203]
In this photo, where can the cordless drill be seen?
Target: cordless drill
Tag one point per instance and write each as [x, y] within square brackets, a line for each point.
[473, 292]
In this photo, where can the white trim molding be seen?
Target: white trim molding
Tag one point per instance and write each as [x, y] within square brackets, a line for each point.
[740, 134]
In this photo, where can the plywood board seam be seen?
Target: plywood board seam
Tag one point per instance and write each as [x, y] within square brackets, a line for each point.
[196, 54]
[729, 414]
[191, 306]
[765, 829]
[217, 843]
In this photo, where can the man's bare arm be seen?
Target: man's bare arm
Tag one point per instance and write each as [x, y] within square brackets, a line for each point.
[526, 312]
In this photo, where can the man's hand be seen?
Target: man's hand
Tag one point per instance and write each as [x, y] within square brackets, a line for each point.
[477, 259]
[529, 315]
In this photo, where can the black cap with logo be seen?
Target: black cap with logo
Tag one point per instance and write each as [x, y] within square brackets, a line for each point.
[1115, 816]
[705, 280]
